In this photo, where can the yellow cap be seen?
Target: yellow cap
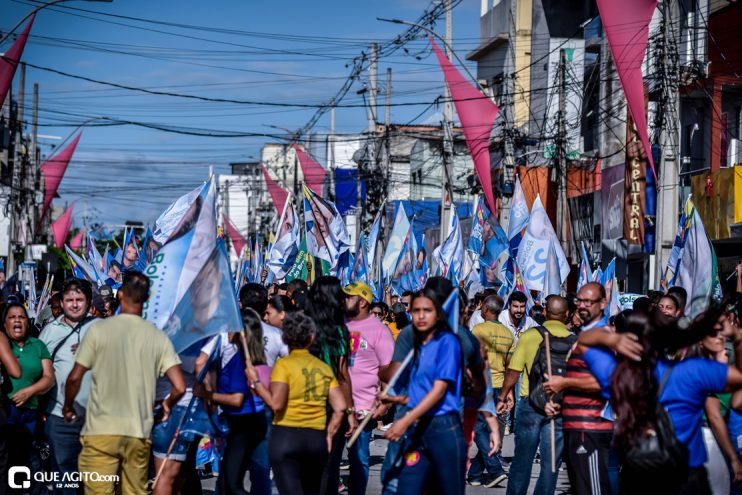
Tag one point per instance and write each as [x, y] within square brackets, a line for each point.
[359, 289]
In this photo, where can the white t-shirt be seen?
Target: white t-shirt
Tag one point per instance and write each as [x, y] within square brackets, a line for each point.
[475, 319]
[273, 343]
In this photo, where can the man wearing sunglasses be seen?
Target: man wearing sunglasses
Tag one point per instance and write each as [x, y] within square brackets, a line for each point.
[591, 302]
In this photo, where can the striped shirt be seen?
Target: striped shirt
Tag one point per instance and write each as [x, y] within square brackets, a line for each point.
[581, 410]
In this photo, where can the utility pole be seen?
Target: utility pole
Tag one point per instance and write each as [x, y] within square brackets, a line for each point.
[667, 193]
[331, 149]
[15, 187]
[33, 169]
[559, 172]
[387, 128]
[371, 144]
[446, 194]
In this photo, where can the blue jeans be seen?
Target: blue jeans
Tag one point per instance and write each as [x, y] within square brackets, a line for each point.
[531, 430]
[260, 466]
[389, 470]
[482, 460]
[64, 439]
[358, 457]
[437, 455]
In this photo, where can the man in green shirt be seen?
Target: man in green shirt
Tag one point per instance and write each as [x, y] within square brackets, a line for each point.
[126, 356]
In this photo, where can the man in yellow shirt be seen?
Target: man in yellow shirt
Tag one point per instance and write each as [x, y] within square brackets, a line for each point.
[498, 342]
[532, 427]
[126, 355]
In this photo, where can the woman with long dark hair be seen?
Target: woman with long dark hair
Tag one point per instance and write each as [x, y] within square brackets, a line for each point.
[641, 377]
[436, 453]
[331, 344]
[244, 411]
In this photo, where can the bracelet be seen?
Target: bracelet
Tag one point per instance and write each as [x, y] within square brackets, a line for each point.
[254, 384]
[350, 410]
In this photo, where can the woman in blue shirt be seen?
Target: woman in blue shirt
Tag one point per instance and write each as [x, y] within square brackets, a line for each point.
[437, 451]
[632, 384]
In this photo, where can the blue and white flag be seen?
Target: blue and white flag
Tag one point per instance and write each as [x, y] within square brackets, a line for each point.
[256, 261]
[327, 237]
[609, 282]
[519, 218]
[285, 248]
[81, 268]
[168, 222]
[451, 309]
[396, 243]
[519, 215]
[487, 239]
[585, 274]
[534, 249]
[697, 268]
[189, 245]
[209, 306]
[360, 269]
[552, 275]
[372, 240]
[412, 269]
[450, 254]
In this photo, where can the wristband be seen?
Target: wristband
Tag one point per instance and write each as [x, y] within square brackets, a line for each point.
[254, 384]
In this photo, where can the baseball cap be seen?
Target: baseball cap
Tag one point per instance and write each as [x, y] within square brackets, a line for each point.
[105, 291]
[359, 289]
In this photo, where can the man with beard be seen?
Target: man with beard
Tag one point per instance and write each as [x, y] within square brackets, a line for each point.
[515, 317]
[371, 348]
[591, 302]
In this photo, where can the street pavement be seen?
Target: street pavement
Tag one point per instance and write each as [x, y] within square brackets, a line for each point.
[378, 448]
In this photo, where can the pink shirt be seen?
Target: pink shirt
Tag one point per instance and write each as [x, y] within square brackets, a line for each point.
[371, 347]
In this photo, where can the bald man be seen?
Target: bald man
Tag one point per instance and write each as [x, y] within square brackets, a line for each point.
[591, 464]
[591, 302]
[531, 426]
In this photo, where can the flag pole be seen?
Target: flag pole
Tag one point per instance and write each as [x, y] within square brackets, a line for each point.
[386, 390]
[552, 426]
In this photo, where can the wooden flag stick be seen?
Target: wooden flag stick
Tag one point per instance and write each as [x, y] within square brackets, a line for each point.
[552, 426]
[388, 387]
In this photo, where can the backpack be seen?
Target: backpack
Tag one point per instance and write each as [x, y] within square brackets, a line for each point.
[560, 348]
[658, 454]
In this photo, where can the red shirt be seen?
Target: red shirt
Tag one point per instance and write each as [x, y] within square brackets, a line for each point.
[581, 410]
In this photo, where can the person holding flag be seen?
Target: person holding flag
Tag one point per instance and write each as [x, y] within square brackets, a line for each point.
[437, 450]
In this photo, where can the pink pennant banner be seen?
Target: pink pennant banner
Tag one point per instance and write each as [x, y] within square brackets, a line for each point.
[314, 173]
[76, 242]
[278, 193]
[477, 114]
[61, 227]
[53, 170]
[9, 61]
[626, 25]
[238, 241]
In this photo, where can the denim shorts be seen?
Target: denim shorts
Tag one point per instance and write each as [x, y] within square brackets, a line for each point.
[162, 436]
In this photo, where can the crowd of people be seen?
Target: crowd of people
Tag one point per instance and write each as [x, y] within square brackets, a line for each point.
[642, 401]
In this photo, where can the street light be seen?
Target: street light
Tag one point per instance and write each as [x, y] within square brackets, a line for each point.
[442, 40]
[43, 6]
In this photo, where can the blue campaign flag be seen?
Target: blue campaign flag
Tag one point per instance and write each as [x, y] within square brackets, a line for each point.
[359, 271]
[181, 259]
[81, 268]
[345, 267]
[519, 215]
[100, 232]
[450, 254]
[396, 243]
[209, 306]
[552, 276]
[372, 240]
[282, 254]
[608, 280]
[256, 261]
[585, 274]
[451, 309]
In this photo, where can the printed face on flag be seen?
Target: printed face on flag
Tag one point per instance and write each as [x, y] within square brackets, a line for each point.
[288, 223]
[318, 223]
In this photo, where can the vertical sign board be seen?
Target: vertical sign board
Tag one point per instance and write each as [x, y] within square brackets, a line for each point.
[635, 187]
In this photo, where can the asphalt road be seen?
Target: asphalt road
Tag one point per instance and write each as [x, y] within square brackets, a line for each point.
[378, 449]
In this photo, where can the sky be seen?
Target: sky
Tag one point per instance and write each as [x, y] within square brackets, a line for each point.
[282, 54]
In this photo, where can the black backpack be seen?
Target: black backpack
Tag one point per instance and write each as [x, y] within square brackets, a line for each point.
[560, 348]
[657, 455]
